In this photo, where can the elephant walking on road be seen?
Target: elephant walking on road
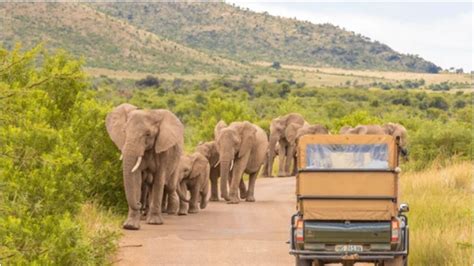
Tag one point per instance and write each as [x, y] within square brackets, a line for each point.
[209, 150]
[279, 134]
[150, 141]
[194, 172]
[242, 147]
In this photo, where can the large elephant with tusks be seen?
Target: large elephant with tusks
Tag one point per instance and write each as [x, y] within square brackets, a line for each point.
[150, 141]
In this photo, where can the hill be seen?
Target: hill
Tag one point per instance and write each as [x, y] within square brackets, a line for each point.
[246, 35]
[102, 40]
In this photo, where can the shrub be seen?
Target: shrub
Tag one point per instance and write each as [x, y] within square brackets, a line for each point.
[149, 81]
[46, 163]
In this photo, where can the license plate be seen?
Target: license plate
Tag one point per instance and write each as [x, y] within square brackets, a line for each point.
[349, 248]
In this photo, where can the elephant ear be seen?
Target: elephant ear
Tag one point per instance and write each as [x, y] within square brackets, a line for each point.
[219, 126]
[171, 131]
[247, 134]
[115, 123]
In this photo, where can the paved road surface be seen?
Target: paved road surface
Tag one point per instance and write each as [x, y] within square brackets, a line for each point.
[222, 234]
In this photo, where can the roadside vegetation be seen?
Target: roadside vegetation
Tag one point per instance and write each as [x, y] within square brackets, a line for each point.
[60, 177]
[440, 216]
[54, 159]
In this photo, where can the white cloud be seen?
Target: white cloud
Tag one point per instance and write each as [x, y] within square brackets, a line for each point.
[445, 41]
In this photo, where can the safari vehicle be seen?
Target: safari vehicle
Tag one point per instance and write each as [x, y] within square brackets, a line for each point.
[347, 202]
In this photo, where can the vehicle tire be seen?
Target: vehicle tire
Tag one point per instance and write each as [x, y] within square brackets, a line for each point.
[397, 261]
[303, 262]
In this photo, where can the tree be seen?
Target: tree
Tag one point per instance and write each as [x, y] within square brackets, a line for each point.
[276, 65]
[439, 103]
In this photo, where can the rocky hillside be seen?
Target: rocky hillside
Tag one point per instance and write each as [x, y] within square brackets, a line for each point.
[192, 38]
[246, 35]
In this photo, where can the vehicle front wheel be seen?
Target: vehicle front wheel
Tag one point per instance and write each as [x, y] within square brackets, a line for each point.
[397, 261]
[303, 262]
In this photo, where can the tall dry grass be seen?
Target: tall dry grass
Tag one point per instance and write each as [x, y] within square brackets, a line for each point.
[440, 216]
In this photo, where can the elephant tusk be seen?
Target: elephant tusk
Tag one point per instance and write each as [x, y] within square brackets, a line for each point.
[121, 157]
[139, 161]
[216, 164]
[231, 165]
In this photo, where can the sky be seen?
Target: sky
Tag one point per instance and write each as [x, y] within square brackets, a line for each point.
[439, 32]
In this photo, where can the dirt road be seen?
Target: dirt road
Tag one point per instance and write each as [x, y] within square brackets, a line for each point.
[222, 234]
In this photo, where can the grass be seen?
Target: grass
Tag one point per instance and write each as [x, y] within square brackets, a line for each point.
[102, 229]
[375, 74]
[440, 216]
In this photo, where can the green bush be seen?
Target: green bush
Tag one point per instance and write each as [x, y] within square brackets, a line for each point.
[48, 126]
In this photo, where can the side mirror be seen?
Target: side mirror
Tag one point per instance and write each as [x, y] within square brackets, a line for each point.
[403, 208]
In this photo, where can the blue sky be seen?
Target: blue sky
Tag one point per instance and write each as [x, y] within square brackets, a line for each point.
[439, 32]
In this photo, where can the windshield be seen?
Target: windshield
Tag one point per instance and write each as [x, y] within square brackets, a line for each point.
[347, 156]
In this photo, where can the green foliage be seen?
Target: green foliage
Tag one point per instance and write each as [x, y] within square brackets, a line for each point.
[435, 141]
[438, 124]
[46, 169]
[354, 119]
[218, 109]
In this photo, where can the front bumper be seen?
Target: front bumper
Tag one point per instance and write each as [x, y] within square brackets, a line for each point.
[334, 256]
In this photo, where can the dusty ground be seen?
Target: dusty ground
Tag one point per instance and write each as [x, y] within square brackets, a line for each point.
[222, 234]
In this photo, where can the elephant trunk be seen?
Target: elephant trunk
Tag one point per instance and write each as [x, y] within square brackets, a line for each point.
[132, 182]
[181, 190]
[225, 172]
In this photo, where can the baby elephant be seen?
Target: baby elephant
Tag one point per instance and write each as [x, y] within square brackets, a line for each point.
[194, 173]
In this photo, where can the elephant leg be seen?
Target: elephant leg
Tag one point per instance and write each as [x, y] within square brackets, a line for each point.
[143, 200]
[154, 215]
[237, 173]
[214, 185]
[194, 202]
[164, 201]
[295, 166]
[243, 189]
[250, 193]
[265, 167]
[281, 160]
[173, 203]
[289, 159]
[133, 186]
[183, 206]
[204, 193]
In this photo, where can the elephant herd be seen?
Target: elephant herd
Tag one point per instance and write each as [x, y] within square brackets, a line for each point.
[157, 175]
